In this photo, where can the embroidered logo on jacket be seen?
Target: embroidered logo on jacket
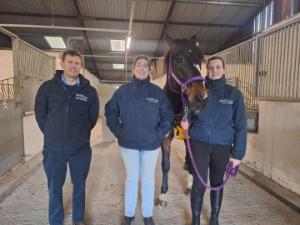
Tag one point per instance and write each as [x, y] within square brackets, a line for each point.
[226, 101]
[152, 100]
[81, 97]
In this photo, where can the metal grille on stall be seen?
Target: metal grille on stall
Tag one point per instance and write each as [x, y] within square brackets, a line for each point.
[240, 70]
[267, 67]
[278, 62]
[33, 67]
[7, 89]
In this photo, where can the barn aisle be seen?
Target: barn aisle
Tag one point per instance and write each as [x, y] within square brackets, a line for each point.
[25, 202]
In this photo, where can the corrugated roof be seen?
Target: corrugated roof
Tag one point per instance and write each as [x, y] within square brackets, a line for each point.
[213, 24]
[151, 10]
[105, 8]
[151, 31]
[56, 7]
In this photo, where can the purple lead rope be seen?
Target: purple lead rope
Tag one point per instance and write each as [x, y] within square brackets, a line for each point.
[230, 170]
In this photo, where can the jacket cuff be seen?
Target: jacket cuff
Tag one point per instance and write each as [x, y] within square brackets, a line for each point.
[117, 131]
[160, 134]
[237, 154]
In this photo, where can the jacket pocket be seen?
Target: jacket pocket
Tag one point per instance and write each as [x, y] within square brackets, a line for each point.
[80, 109]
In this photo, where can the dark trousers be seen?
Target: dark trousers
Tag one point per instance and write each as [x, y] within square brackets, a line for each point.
[212, 158]
[55, 166]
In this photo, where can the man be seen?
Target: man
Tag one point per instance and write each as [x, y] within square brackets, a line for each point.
[66, 110]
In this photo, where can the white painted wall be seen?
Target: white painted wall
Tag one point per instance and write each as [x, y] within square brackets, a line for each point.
[161, 81]
[33, 137]
[275, 149]
[6, 64]
[106, 91]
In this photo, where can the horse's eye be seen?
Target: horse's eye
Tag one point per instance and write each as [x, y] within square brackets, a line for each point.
[178, 60]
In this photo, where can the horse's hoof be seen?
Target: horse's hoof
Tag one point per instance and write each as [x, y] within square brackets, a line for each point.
[187, 191]
[161, 203]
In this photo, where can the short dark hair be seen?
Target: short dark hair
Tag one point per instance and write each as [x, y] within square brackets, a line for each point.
[141, 57]
[71, 53]
[214, 58]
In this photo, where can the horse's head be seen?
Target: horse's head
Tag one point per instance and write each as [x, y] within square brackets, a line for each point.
[185, 59]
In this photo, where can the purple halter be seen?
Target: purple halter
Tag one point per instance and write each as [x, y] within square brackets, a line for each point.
[230, 170]
[181, 84]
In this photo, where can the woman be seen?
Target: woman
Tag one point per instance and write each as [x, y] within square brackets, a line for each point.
[140, 115]
[218, 135]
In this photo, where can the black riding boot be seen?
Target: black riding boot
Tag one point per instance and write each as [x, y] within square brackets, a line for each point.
[196, 203]
[216, 202]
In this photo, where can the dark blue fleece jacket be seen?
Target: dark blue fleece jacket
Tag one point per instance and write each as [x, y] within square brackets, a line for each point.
[223, 121]
[139, 114]
[66, 117]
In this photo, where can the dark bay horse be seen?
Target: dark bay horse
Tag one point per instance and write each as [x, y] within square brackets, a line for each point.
[185, 59]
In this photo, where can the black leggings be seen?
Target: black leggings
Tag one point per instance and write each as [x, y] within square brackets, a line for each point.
[209, 156]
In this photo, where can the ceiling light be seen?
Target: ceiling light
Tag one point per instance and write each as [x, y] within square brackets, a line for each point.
[117, 45]
[118, 66]
[128, 42]
[55, 42]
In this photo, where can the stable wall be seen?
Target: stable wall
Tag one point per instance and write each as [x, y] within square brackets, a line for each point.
[11, 136]
[274, 150]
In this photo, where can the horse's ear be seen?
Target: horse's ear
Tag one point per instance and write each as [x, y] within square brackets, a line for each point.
[194, 40]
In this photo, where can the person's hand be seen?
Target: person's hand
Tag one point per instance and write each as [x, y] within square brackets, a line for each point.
[184, 124]
[235, 162]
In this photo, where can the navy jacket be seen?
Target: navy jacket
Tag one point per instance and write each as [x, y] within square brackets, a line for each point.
[223, 121]
[66, 118]
[139, 115]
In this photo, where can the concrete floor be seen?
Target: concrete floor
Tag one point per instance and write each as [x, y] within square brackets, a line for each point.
[23, 196]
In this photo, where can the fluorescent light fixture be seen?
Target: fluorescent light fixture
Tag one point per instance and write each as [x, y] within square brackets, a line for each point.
[128, 42]
[55, 42]
[118, 66]
[117, 45]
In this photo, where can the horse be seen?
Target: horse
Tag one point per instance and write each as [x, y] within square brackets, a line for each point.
[183, 65]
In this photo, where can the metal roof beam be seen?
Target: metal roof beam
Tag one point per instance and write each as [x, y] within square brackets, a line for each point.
[156, 53]
[224, 3]
[103, 38]
[235, 37]
[86, 38]
[119, 20]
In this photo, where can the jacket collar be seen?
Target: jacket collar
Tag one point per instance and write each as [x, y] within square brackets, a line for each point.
[216, 84]
[58, 78]
[140, 83]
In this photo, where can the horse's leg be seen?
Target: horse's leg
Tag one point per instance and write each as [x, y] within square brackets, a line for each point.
[187, 167]
[165, 164]
[189, 184]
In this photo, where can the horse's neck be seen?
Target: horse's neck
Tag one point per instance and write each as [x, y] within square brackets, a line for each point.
[175, 98]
